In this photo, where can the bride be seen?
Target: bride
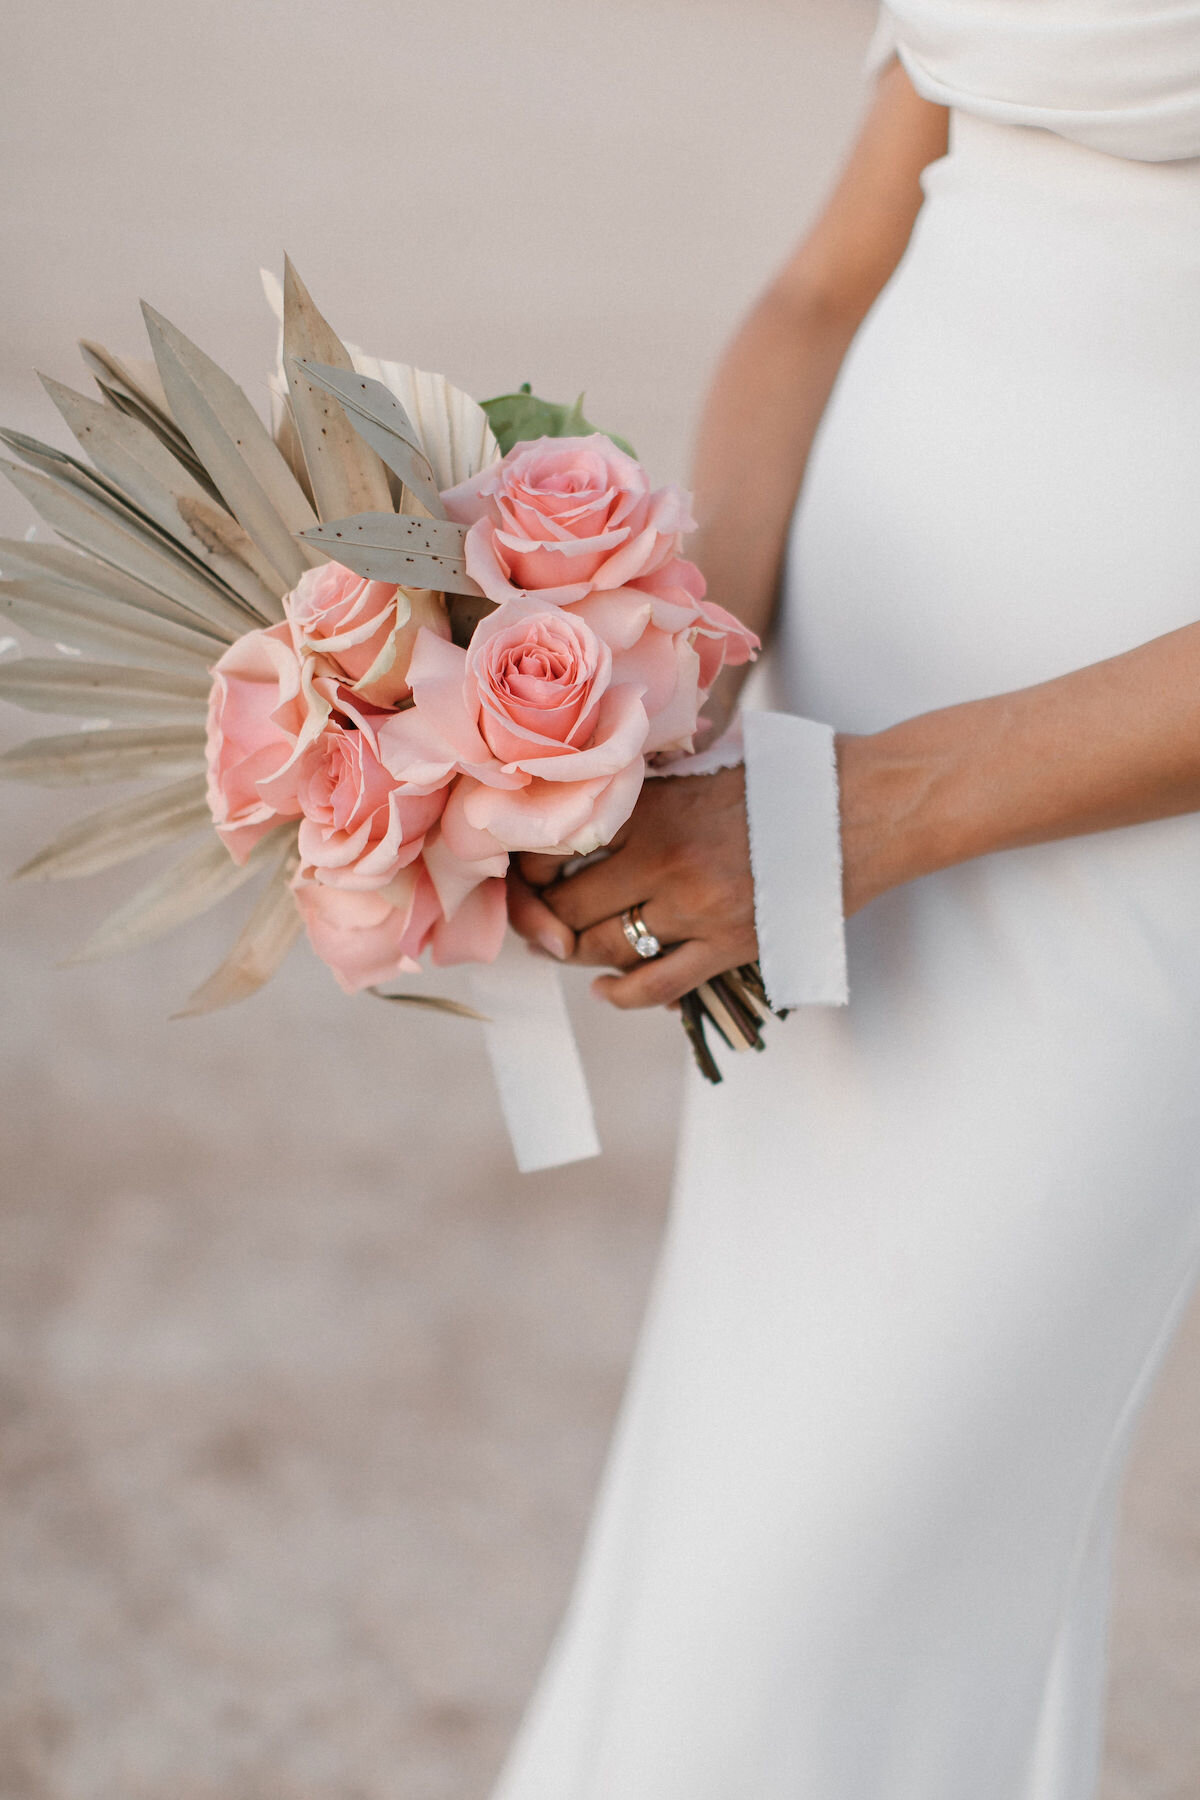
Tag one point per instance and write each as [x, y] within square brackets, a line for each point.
[853, 1540]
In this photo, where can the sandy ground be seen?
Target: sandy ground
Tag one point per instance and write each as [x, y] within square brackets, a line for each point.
[303, 1392]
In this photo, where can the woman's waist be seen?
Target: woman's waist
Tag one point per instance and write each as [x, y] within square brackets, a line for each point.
[1014, 202]
[987, 152]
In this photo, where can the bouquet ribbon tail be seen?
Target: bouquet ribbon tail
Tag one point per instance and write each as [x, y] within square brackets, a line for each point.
[539, 1073]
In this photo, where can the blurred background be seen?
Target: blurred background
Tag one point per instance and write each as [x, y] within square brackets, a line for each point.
[303, 1392]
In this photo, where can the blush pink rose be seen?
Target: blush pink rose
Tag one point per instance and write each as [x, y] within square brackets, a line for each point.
[550, 745]
[256, 712]
[676, 595]
[362, 631]
[562, 517]
[358, 828]
[371, 937]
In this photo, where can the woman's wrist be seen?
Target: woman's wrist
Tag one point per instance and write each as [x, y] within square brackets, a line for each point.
[896, 792]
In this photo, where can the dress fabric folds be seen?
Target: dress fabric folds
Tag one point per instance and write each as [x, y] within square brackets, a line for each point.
[924, 1256]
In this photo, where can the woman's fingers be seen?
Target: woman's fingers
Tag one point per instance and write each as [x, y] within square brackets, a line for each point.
[532, 919]
[606, 889]
[539, 871]
[665, 978]
[606, 946]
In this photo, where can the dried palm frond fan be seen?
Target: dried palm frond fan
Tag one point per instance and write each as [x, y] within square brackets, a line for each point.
[187, 527]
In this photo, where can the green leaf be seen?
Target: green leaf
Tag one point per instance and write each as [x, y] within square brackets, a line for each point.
[518, 418]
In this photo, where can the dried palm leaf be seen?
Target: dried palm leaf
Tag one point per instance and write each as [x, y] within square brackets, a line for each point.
[235, 447]
[131, 456]
[136, 378]
[286, 436]
[378, 416]
[61, 466]
[132, 386]
[104, 691]
[415, 553]
[188, 888]
[89, 576]
[436, 1003]
[346, 475]
[71, 475]
[103, 627]
[92, 758]
[218, 530]
[260, 948]
[116, 538]
[171, 440]
[453, 428]
[283, 419]
[116, 833]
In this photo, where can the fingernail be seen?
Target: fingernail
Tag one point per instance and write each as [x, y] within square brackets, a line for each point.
[553, 945]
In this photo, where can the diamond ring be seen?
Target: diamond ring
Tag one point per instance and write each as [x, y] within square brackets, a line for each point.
[640, 939]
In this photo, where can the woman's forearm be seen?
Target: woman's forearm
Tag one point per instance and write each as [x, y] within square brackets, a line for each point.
[1116, 743]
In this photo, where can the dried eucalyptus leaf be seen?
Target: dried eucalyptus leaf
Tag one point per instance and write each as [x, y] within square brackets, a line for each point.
[116, 833]
[452, 427]
[413, 552]
[344, 471]
[93, 758]
[378, 416]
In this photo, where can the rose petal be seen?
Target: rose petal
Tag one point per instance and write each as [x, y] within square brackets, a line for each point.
[475, 931]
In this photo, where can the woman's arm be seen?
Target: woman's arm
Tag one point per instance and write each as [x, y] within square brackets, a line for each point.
[1116, 743]
[775, 378]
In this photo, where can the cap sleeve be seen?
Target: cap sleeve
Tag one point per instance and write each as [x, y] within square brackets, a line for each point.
[883, 45]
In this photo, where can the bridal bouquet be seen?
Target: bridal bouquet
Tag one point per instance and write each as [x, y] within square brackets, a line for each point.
[368, 654]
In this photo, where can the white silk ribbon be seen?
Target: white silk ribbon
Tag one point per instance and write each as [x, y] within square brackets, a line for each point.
[795, 855]
[539, 1074]
[796, 858]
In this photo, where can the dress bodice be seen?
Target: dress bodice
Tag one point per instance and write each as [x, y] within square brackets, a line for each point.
[1122, 76]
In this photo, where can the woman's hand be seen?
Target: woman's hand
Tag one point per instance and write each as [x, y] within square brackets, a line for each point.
[683, 858]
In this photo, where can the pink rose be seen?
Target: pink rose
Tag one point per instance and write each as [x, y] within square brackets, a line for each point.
[550, 743]
[565, 516]
[357, 827]
[256, 712]
[370, 937]
[362, 631]
[677, 603]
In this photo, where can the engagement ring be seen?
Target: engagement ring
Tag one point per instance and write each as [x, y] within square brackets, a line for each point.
[641, 940]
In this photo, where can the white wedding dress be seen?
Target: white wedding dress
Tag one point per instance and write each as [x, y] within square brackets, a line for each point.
[924, 1256]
